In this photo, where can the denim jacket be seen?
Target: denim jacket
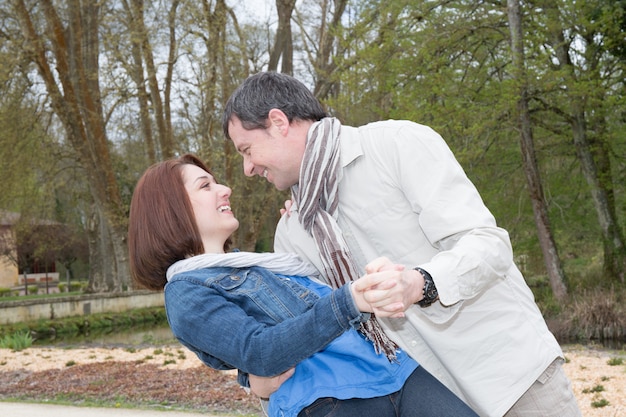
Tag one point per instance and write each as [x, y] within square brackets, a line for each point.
[244, 318]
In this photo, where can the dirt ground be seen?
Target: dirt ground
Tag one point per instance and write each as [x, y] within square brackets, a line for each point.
[172, 377]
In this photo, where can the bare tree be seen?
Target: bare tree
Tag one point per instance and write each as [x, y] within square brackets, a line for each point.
[283, 43]
[592, 150]
[529, 159]
[324, 61]
[160, 106]
[72, 49]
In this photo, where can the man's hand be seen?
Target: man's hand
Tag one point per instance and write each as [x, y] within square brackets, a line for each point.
[265, 386]
[388, 288]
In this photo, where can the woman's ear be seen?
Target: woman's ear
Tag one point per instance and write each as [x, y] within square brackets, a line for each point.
[279, 121]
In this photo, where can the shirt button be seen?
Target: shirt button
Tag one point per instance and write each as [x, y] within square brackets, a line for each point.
[413, 343]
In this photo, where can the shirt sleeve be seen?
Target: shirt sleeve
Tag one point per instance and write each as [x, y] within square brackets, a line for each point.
[472, 250]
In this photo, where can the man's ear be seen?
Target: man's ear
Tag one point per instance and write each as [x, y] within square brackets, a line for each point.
[279, 120]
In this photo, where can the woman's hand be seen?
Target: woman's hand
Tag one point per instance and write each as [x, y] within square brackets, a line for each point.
[287, 208]
[265, 386]
[377, 279]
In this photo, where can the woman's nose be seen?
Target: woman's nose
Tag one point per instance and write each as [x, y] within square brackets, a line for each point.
[225, 190]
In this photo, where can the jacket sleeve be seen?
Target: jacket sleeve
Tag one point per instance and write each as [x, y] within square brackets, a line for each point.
[225, 337]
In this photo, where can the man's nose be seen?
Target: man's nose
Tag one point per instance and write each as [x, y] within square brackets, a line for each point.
[248, 168]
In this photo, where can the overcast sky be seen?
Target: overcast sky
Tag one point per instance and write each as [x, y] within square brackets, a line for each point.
[258, 10]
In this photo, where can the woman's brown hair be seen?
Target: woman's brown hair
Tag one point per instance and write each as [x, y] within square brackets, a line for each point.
[162, 228]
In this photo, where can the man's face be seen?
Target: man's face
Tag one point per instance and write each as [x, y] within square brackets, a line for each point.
[271, 153]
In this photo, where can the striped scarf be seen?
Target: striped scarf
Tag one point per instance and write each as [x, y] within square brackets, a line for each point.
[317, 200]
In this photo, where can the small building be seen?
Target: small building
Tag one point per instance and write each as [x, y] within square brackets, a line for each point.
[10, 274]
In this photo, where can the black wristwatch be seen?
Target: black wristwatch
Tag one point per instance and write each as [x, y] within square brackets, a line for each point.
[430, 291]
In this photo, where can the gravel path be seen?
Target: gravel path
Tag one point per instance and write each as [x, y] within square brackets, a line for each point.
[172, 376]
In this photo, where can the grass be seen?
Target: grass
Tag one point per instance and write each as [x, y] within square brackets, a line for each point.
[615, 361]
[602, 402]
[39, 296]
[598, 314]
[72, 326]
[17, 341]
[597, 388]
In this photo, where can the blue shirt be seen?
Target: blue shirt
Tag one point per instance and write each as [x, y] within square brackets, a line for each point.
[347, 368]
[262, 323]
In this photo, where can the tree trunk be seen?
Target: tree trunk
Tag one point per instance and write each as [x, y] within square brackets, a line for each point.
[283, 44]
[599, 182]
[135, 69]
[160, 117]
[75, 50]
[613, 239]
[324, 61]
[96, 282]
[533, 176]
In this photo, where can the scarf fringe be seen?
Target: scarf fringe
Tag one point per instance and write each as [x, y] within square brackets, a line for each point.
[382, 343]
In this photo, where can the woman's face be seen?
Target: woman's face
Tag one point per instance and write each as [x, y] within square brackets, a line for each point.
[211, 207]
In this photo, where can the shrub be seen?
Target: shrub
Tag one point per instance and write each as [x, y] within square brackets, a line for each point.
[17, 341]
[615, 361]
[602, 402]
[597, 315]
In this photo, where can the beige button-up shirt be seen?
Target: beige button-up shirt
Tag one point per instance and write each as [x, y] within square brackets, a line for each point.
[403, 195]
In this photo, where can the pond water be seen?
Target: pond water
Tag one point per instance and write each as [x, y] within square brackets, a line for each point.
[136, 336]
[151, 335]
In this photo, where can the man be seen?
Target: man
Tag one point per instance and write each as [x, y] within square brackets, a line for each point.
[394, 189]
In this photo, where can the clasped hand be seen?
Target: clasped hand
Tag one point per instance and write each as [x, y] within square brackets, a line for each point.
[387, 289]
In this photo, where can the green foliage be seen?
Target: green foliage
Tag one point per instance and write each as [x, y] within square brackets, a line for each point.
[449, 67]
[78, 286]
[596, 388]
[15, 295]
[16, 341]
[540, 286]
[76, 325]
[445, 65]
[615, 361]
[602, 402]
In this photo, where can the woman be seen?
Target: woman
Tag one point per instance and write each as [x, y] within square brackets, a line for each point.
[261, 313]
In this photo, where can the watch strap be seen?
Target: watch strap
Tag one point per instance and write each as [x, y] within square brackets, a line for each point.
[430, 293]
